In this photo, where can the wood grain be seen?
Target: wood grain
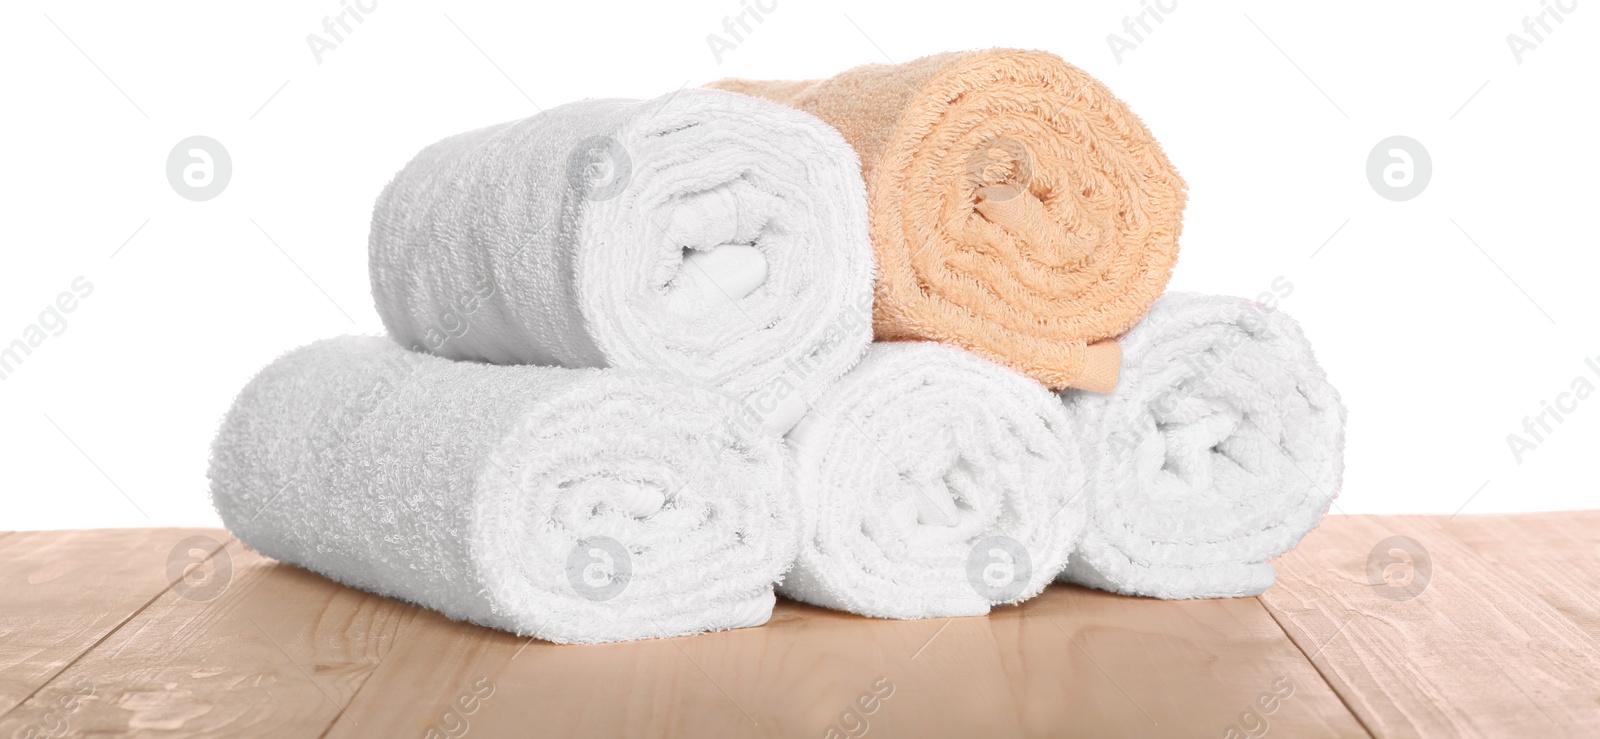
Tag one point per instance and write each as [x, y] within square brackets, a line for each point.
[1072, 660]
[64, 591]
[1479, 652]
[278, 653]
[1555, 557]
[102, 637]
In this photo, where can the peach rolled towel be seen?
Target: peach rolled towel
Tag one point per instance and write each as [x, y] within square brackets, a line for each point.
[1019, 210]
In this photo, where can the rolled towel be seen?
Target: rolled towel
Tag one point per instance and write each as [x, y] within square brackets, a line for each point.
[702, 234]
[1019, 210]
[1222, 446]
[932, 483]
[570, 505]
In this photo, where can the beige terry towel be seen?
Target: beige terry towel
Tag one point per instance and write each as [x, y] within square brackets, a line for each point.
[1019, 210]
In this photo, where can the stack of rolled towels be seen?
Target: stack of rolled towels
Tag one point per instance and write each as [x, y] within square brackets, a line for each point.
[893, 342]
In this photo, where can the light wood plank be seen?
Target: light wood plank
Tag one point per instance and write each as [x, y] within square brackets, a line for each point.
[1478, 653]
[1194, 667]
[1556, 557]
[64, 591]
[1502, 642]
[1072, 660]
[278, 653]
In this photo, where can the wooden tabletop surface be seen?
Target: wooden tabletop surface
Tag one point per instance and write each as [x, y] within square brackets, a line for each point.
[1472, 626]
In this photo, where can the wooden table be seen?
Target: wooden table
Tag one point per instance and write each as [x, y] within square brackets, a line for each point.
[102, 633]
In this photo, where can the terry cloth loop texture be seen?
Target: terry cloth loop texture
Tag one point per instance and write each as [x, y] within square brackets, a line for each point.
[702, 234]
[933, 483]
[1019, 209]
[574, 505]
[1222, 446]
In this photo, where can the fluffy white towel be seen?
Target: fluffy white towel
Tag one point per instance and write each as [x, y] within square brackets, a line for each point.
[704, 233]
[933, 483]
[1222, 446]
[571, 505]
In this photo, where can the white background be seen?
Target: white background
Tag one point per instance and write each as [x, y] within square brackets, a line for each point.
[1444, 320]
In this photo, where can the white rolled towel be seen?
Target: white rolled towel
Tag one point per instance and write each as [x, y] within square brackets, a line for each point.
[1222, 446]
[705, 234]
[932, 483]
[570, 505]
